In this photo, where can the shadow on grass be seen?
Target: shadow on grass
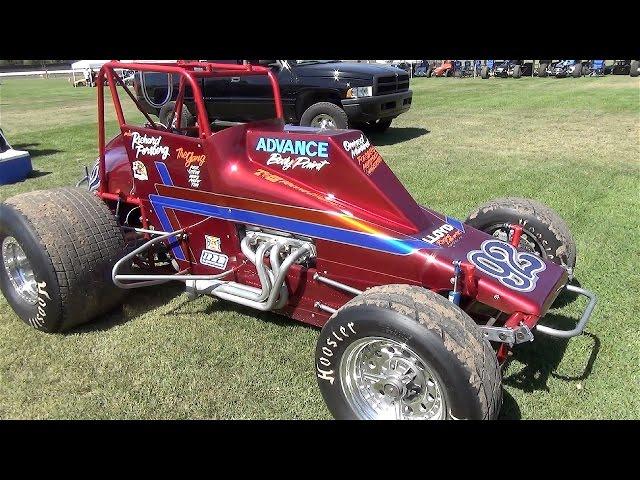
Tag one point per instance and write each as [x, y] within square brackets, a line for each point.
[542, 357]
[223, 306]
[567, 297]
[510, 409]
[137, 303]
[34, 153]
[395, 135]
[38, 173]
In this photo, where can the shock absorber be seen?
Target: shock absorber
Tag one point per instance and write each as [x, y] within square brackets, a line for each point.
[454, 295]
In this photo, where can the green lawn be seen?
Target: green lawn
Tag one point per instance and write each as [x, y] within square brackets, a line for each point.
[571, 143]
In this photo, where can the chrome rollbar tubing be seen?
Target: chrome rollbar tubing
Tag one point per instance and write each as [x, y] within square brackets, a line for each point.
[583, 320]
[146, 280]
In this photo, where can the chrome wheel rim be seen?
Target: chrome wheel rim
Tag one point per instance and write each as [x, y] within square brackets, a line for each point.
[385, 379]
[323, 121]
[19, 270]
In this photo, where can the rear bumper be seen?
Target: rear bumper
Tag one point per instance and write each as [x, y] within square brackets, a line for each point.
[381, 106]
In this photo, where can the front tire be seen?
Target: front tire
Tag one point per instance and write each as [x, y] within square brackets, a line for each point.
[545, 233]
[58, 247]
[325, 115]
[403, 352]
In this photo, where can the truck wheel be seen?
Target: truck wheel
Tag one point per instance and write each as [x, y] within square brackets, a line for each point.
[484, 73]
[517, 71]
[447, 73]
[542, 70]
[380, 125]
[577, 71]
[635, 68]
[429, 72]
[325, 115]
[544, 233]
[58, 247]
[403, 352]
[167, 116]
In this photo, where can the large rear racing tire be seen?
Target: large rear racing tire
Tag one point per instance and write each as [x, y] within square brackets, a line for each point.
[401, 351]
[484, 73]
[58, 248]
[635, 68]
[544, 232]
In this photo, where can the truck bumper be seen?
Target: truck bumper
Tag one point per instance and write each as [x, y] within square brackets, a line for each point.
[381, 106]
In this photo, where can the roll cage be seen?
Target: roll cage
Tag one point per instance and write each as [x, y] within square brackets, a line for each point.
[190, 72]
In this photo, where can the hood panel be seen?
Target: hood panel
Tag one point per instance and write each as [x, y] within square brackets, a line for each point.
[347, 70]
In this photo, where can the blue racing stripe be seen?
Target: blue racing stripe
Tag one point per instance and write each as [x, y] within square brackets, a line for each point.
[163, 171]
[359, 239]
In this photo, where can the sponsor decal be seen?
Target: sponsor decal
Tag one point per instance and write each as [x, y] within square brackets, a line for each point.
[272, 177]
[38, 320]
[514, 269]
[214, 259]
[447, 235]
[364, 153]
[288, 163]
[192, 163]
[300, 153]
[212, 243]
[148, 146]
[306, 148]
[324, 367]
[139, 170]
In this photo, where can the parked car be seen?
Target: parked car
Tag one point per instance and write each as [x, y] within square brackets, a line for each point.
[513, 68]
[319, 93]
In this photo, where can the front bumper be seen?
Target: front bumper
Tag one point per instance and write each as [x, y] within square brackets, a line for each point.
[367, 109]
[582, 323]
[522, 333]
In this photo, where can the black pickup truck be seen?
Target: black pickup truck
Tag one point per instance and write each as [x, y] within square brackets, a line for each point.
[319, 93]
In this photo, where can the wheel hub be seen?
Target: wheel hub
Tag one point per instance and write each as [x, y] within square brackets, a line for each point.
[19, 270]
[323, 121]
[527, 241]
[384, 379]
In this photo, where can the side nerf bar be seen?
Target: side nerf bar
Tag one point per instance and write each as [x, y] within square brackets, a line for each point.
[583, 320]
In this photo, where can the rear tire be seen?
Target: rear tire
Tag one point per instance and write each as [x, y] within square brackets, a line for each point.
[484, 73]
[542, 70]
[517, 71]
[71, 241]
[543, 228]
[456, 370]
[167, 116]
[635, 65]
[577, 71]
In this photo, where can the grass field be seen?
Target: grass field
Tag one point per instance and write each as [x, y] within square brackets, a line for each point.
[572, 143]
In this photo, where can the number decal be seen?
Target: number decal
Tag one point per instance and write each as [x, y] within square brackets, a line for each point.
[517, 270]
